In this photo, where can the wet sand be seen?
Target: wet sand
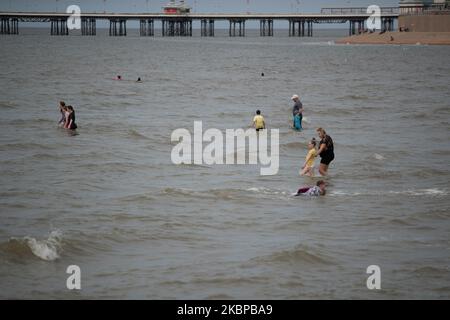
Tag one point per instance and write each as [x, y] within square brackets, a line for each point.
[430, 38]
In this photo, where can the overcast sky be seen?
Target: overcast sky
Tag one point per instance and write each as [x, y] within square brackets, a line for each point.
[200, 6]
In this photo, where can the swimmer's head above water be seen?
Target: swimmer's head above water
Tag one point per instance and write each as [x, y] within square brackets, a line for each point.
[322, 185]
[318, 190]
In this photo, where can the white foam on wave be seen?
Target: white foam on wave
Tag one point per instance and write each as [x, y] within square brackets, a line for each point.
[421, 192]
[267, 191]
[379, 157]
[343, 193]
[48, 249]
[415, 193]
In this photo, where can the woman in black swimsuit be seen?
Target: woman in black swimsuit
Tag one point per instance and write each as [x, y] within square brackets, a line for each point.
[326, 151]
[70, 122]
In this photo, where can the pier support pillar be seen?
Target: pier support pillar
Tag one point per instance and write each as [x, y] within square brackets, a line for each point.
[352, 30]
[9, 26]
[147, 28]
[363, 26]
[310, 28]
[387, 24]
[266, 27]
[177, 27]
[88, 27]
[233, 24]
[59, 27]
[297, 28]
[15, 26]
[391, 24]
[117, 27]
[207, 28]
[212, 32]
[292, 28]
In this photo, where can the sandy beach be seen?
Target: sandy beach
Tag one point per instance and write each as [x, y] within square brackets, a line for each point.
[430, 38]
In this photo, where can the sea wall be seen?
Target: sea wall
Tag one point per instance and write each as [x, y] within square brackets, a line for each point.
[425, 23]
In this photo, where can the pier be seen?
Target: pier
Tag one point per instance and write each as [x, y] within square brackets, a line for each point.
[9, 25]
[180, 25]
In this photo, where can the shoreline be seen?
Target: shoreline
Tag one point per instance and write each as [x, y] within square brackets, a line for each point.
[399, 38]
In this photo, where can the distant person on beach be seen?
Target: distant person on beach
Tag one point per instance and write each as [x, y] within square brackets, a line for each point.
[62, 110]
[308, 166]
[70, 119]
[318, 190]
[259, 122]
[326, 151]
[297, 112]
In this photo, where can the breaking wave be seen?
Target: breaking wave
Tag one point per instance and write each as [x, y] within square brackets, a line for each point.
[48, 249]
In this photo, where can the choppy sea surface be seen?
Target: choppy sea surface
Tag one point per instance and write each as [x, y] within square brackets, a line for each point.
[110, 200]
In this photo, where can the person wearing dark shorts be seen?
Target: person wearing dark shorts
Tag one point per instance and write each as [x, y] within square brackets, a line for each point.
[326, 151]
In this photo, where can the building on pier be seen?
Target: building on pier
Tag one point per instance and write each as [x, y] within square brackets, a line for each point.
[424, 16]
[422, 6]
[177, 8]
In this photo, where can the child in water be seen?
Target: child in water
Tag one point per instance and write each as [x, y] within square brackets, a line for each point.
[258, 121]
[318, 190]
[308, 166]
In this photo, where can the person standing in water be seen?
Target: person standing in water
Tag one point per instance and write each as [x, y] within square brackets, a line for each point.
[70, 120]
[308, 166]
[326, 151]
[62, 109]
[297, 112]
[258, 121]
